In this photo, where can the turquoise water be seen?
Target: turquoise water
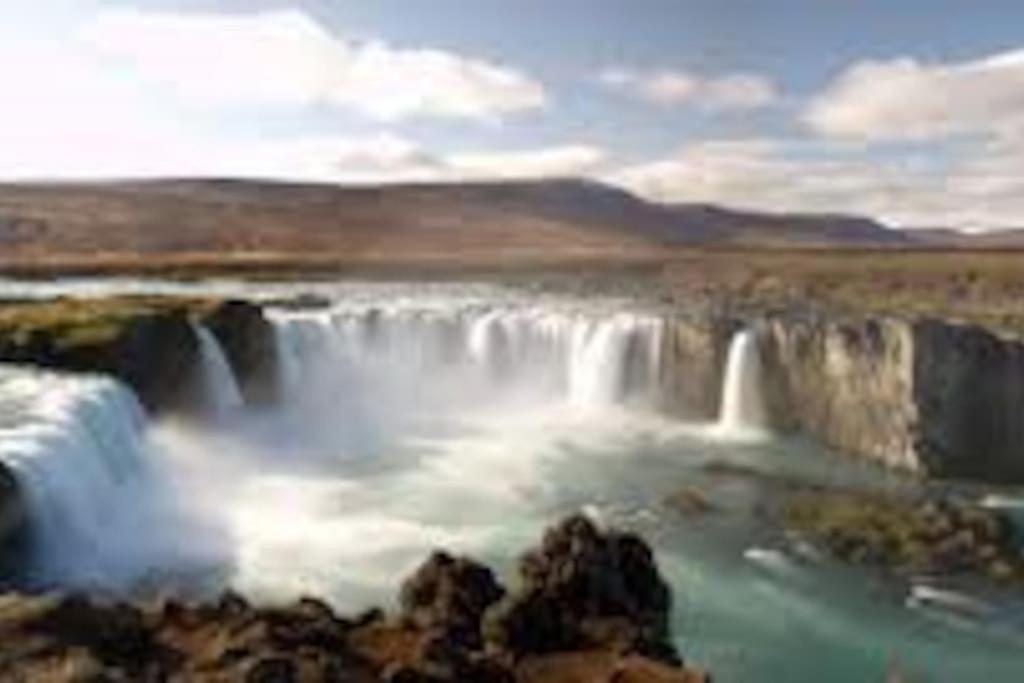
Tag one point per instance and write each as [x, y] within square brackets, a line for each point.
[488, 486]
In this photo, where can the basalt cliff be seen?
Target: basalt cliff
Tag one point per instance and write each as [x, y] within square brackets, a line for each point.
[931, 397]
[924, 395]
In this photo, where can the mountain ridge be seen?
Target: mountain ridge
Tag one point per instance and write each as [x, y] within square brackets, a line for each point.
[239, 216]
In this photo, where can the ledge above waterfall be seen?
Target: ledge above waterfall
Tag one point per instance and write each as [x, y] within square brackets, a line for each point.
[150, 343]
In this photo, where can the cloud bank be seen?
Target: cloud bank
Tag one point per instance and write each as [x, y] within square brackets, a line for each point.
[286, 58]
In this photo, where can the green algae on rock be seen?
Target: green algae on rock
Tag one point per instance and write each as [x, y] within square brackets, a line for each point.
[936, 536]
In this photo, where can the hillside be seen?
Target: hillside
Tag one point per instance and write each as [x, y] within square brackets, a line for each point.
[493, 220]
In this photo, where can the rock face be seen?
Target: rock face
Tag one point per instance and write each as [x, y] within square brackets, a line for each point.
[925, 396]
[147, 342]
[969, 392]
[847, 383]
[248, 342]
[694, 356]
[598, 594]
[155, 352]
[13, 527]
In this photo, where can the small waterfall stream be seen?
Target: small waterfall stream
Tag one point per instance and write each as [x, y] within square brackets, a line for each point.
[221, 393]
[77, 446]
[743, 410]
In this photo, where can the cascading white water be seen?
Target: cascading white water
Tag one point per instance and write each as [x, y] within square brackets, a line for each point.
[587, 360]
[221, 393]
[743, 409]
[77, 446]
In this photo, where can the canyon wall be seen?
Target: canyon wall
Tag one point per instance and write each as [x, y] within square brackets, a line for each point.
[930, 397]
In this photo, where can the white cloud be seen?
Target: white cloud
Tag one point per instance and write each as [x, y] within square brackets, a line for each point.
[549, 162]
[982, 189]
[378, 158]
[905, 99]
[672, 88]
[61, 116]
[286, 58]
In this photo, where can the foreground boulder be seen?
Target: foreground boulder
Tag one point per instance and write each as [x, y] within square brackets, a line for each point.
[596, 595]
[450, 595]
[584, 588]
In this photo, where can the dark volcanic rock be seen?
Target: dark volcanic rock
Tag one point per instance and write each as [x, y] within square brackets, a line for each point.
[248, 342]
[582, 588]
[450, 595]
[152, 349]
[597, 594]
[158, 356]
[13, 526]
[74, 639]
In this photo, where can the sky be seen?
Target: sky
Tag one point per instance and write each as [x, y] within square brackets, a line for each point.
[911, 112]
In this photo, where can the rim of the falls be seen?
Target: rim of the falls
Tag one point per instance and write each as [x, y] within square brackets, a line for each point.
[743, 411]
[221, 393]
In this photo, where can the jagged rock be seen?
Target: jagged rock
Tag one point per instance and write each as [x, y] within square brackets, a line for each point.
[600, 590]
[248, 342]
[450, 595]
[582, 588]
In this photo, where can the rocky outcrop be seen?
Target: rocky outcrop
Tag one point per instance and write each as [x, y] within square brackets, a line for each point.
[599, 594]
[247, 338]
[147, 342]
[935, 536]
[584, 588]
[153, 350]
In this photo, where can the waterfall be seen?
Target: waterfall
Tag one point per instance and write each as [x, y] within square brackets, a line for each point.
[743, 408]
[102, 503]
[603, 363]
[75, 446]
[585, 359]
[221, 393]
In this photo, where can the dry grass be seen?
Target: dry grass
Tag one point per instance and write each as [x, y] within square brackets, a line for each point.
[85, 322]
[984, 287]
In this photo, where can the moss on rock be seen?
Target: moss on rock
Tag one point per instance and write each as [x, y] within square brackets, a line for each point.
[936, 536]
